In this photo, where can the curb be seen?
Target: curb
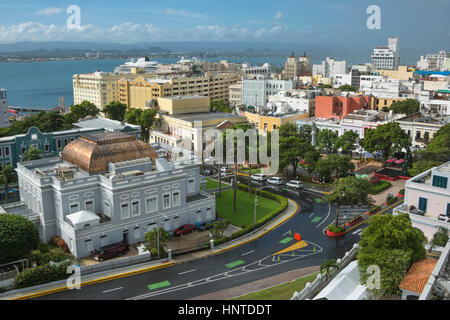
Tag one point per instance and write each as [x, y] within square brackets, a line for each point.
[122, 275]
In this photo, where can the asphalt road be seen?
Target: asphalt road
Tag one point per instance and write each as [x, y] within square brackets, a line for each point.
[245, 264]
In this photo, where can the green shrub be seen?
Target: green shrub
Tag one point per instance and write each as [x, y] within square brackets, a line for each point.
[402, 192]
[41, 275]
[375, 209]
[18, 236]
[43, 247]
[380, 187]
[335, 229]
[392, 200]
[43, 258]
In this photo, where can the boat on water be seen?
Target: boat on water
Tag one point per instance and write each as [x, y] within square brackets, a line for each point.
[140, 63]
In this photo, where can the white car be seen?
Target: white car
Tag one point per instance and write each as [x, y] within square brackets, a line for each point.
[224, 170]
[275, 180]
[259, 177]
[295, 184]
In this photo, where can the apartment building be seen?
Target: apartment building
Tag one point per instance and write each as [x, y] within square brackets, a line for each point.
[422, 127]
[434, 61]
[296, 67]
[139, 92]
[330, 67]
[236, 94]
[339, 107]
[4, 116]
[387, 57]
[427, 200]
[256, 92]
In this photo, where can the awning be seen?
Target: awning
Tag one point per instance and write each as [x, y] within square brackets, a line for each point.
[399, 161]
[82, 219]
[391, 160]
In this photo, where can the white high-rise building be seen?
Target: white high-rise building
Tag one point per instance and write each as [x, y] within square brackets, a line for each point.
[4, 117]
[433, 61]
[330, 68]
[256, 92]
[387, 58]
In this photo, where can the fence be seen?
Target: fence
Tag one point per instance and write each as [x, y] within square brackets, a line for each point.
[312, 289]
[115, 264]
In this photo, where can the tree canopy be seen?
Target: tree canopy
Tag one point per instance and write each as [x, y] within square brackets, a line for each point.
[388, 139]
[409, 106]
[333, 166]
[152, 238]
[18, 236]
[221, 106]
[115, 111]
[32, 154]
[327, 141]
[347, 87]
[348, 142]
[393, 244]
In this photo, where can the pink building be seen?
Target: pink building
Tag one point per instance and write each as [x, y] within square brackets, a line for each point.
[427, 200]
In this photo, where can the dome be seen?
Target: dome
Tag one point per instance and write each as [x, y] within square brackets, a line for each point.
[94, 152]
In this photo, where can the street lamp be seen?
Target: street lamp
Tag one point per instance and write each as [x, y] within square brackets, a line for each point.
[256, 203]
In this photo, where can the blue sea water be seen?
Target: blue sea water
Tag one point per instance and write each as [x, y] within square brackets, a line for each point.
[40, 84]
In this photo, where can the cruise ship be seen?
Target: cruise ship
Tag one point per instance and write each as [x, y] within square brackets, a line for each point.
[144, 63]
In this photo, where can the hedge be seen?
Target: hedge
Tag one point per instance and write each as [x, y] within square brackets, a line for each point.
[380, 187]
[41, 275]
[392, 200]
[261, 222]
[335, 229]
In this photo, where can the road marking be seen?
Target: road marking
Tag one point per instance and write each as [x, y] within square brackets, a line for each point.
[316, 219]
[298, 245]
[234, 264]
[311, 215]
[116, 289]
[358, 231]
[286, 240]
[247, 253]
[158, 285]
[258, 264]
[187, 271]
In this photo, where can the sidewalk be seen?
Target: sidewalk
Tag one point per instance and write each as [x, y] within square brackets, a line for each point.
[59, 286]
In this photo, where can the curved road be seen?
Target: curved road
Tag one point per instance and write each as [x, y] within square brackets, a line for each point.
[244, 264]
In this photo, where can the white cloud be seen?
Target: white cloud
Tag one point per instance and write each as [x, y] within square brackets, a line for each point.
[185, 14]
[49, 11]
[278, 16]
[130, 33]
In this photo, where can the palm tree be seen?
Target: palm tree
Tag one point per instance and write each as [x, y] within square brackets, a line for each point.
[328, 267]
[32, 154]
[6, 175]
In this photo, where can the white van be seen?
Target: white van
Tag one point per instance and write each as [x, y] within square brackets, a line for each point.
[259, 177]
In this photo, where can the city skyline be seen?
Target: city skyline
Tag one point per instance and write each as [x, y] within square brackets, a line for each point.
[319, 23]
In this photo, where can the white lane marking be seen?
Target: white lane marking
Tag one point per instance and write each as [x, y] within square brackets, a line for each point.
[112, 290]
[311, 215]
[329, 208]
[187, 271]
[359, 231]
[242, 271]
[247, 253]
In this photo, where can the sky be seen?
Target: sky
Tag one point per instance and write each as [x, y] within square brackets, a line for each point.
[419, 24]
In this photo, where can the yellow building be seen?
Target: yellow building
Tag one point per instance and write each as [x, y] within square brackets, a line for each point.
[401, 73]
[136, 93]
[269, 123]
[182, 105]
[379, 103]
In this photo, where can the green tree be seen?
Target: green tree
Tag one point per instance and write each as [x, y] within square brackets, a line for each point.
[219, 228]
[388, 139]
[18, 236]
[333, 166]
[347, 87]
[328, 267]
[409, 106]
[7, 174]
[348, 142]
[393, 244]
[84, 109]
[327, 141]
[350, 191]
[422, 166]
[311, 158]
[156, 240]
[32, 154]
[440, 144]
[147, 120]
[115, 111]
[221, 106]
[133, 116]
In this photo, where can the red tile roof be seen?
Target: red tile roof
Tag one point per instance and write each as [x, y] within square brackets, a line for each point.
[417, 277]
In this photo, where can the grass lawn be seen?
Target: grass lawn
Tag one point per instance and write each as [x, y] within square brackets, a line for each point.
[213, 184]
[254, 170]
[245, 207]
[280, 292]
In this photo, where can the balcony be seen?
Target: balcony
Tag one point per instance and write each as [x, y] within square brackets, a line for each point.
[421, 217]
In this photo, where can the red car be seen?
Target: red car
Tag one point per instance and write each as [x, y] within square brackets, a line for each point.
[184, 229]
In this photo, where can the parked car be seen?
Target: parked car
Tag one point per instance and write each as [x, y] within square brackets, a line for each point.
[224, 170]
[295, 184]
[202, 226]
[111, 251]
[259, 177]
[184, 229]
[275, 180]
